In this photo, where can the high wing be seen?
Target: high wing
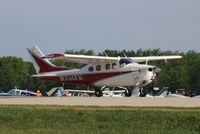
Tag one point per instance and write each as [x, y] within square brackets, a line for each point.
[85, 59]
[154, 58]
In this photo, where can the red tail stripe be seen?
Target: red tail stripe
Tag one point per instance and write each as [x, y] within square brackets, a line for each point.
[45, 67]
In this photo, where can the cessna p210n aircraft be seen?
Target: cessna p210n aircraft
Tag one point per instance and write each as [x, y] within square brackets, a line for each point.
[99, 71]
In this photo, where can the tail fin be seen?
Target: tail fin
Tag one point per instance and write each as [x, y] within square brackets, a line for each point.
[56, 91]
[42, 64]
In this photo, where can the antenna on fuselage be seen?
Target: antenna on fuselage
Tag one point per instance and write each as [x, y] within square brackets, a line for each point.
[124, 55]
[105, 53]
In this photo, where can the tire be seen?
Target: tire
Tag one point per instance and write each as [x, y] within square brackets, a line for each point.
[128, 92]
[98, 93]
[142, 92]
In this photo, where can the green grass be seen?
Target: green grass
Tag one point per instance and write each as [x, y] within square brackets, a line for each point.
[90, 120]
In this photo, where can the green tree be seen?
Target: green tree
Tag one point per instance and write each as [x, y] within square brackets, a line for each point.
[14, 72]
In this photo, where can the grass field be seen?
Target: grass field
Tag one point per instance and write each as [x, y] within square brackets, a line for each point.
[97, 120]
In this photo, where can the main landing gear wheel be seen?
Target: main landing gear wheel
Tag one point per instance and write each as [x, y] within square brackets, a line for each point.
[142, 92]
[128, 92]
[98, 93]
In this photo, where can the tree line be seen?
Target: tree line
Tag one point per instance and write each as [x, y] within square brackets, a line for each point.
[176, 74]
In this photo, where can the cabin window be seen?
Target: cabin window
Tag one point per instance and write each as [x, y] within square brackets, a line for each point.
[98, 67]
[91, 69]
[114, 65]
[107, 66]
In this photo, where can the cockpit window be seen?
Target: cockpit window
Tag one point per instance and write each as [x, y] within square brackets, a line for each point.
[125, 61]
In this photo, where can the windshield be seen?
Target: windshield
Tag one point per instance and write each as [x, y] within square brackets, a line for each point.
[125, 61]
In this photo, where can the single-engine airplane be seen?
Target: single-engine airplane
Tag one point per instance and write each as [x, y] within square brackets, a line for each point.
[99, 71]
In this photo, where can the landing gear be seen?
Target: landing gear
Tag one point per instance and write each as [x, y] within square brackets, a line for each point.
[142, 92]
[128, 92]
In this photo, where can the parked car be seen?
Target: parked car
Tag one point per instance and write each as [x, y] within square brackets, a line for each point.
[18, 92]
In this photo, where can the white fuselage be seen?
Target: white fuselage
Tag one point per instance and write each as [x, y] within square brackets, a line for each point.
[128, 75]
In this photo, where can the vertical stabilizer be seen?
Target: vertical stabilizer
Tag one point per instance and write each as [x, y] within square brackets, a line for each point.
[40, 63]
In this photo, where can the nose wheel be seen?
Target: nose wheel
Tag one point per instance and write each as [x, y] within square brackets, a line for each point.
[142, 92]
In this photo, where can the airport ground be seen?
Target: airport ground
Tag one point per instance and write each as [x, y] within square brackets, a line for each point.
[103, 101]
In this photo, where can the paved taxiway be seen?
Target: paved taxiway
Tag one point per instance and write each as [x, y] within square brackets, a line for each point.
[102, 101]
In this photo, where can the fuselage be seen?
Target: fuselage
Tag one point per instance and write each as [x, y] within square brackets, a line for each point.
[109, 74]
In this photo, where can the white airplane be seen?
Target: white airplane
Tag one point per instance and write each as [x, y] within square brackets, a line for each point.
[99, 71]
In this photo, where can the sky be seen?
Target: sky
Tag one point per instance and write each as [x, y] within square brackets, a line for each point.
[59, 25]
